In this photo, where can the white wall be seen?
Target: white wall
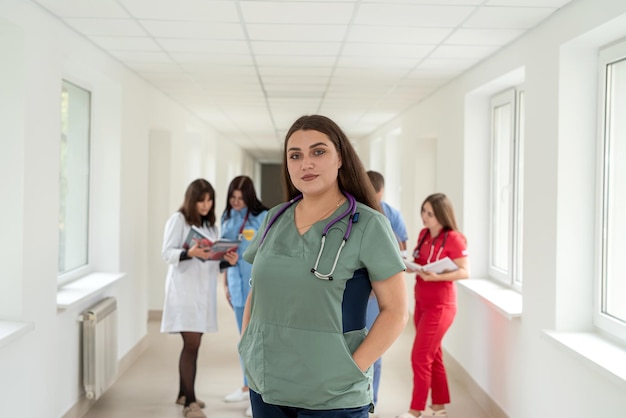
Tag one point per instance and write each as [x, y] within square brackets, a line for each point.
[40, 368]
[11, 163]
[524, 372]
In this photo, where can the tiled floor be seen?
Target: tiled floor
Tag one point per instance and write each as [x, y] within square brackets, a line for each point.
[149, 387]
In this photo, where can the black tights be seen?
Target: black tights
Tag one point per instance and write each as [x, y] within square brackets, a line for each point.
[187, 365]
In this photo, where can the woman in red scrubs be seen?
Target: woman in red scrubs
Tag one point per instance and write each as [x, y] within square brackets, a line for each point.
[435, 304]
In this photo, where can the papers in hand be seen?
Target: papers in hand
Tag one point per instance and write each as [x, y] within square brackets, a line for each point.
[439, 266]
[218, 248]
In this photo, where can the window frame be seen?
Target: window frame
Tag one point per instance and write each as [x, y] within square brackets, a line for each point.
[63, 277]
[604, 321]
[514, 97]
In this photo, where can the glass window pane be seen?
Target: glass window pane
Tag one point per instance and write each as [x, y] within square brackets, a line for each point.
[614, 283]
[502, 186]
[519, 190]
[74, 178]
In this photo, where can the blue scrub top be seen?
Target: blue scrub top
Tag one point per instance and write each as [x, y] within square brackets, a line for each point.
[397, 221]
[238, 276]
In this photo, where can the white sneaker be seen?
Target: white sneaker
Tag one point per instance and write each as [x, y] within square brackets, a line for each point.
[429, 412]
[249, 411]
[237, 396]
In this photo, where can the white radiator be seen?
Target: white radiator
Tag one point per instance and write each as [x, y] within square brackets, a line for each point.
[99, 347]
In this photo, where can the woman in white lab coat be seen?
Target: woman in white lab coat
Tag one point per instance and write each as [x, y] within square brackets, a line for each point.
[191, 284]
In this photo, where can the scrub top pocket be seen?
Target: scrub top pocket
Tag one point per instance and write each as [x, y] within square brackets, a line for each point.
[305, 366]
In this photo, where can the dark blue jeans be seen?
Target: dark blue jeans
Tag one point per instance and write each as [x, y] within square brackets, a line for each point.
[261, 409]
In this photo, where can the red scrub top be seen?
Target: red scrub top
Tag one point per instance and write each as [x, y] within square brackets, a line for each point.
[447, 244]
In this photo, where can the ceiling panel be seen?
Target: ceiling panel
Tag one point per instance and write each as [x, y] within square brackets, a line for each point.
[204, 46]
[193, 30]
[118, 43]
[474, 52]
[279, 71]
[274, 12]
[216, 59]
[293, 33]
[373, 62]
[100, 9]
[295, 48]
[398, 34]
[508, 17]
[496, 37]
[106, 27]
[385, 50]
[186, 10]
[296, 60]
[130, 57]
[528, 3]
[412, 15]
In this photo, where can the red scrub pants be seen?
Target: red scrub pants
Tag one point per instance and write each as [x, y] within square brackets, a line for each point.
[429, 373]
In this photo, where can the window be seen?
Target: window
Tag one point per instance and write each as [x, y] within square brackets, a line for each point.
[74, 178]
[507, 117]
[611, 310]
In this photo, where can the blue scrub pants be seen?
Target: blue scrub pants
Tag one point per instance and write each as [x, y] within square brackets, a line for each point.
[372, 313]
[239, 316]
[261, 409]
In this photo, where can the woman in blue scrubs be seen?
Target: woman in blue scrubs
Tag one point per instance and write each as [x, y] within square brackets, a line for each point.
[241, 220]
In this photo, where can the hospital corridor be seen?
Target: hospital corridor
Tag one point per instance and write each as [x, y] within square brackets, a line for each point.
[134, 134]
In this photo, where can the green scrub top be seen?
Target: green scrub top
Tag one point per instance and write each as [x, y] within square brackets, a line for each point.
[295, 350]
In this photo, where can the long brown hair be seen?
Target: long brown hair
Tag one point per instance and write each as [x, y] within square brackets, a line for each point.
[245, 185]
[443, 211]
[196, 192]
[352, 177]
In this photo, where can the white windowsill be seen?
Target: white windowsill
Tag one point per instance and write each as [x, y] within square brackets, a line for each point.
[67, 295]
[505, 300]
[81, 289]
[601, 354]
[11, 330]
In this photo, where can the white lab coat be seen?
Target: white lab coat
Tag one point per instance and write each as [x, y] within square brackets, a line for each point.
[191, 285]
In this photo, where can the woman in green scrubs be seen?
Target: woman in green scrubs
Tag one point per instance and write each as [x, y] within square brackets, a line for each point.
[305, 346]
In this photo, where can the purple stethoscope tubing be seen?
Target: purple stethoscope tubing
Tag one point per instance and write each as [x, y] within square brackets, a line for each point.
[351, 211]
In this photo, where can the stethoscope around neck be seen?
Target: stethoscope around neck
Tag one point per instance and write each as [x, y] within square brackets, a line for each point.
[432, 246]
[353, 218]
